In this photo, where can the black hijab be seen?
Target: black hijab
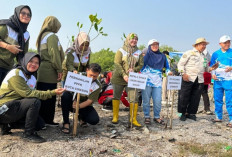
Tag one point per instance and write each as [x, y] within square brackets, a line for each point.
[15, 23]
[25, 60]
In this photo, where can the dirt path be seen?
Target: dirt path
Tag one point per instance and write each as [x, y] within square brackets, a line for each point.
[105, 139]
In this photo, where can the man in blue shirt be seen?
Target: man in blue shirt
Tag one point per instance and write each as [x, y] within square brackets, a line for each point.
[223, 78]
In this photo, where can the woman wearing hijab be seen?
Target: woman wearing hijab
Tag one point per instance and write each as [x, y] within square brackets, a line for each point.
[14, 38]
[19, 99]
[127, 59]
[50, 71]
[77, 55]
[154, 62]
[77, 60]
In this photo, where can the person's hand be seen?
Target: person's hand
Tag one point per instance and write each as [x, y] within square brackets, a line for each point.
[130, 70]
[125, 78]
[75, 71]
[214, 67]
[185, 77]
[59, 91]
[15, 49]
[228, 69]
[214, 77]
[59, 76]
[74, 104]
[170, 73]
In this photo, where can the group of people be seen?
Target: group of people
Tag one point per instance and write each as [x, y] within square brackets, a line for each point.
[29, 83]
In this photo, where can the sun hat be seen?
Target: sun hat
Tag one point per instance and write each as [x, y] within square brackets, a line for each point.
[200, 40]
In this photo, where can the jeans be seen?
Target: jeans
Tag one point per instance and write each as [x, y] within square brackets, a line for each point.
[155, 93]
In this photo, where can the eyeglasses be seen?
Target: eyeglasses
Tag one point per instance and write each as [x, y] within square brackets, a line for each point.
[26, 14]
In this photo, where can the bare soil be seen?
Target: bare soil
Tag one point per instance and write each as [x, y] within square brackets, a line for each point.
[106, 139]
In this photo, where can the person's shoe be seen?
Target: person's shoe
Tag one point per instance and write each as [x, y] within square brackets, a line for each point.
[183, 117]
[5, 129]
[33, 137]
[107, 108]
[52, 124]
[191, 116]
[209, 112]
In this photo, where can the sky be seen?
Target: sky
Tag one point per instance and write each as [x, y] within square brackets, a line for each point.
[176, 23]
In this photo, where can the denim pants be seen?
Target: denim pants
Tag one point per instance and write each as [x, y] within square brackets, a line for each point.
[155, 93]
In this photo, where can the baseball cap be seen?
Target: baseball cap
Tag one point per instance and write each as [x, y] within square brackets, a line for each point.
[152, 41]
[224, 38]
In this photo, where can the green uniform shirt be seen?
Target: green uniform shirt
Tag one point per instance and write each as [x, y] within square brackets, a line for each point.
[17, 86]
[52, 56]
[71, 63]
[9, 36]
[121, 67]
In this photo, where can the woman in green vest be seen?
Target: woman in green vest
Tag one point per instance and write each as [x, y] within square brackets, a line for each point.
[50, 71]
[127, 59]
[78, 56]
[14, 38]
[19, 98]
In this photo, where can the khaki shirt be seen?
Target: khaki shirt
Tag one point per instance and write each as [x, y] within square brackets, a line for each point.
[194, 64]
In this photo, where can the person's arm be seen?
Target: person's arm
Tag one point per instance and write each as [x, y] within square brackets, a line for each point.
[15, 49]
[118, 64]
[140, 64]
[167, 68]
[54, 52]
[3, 34]
[70, 62]
[19, 85]
[182, 62]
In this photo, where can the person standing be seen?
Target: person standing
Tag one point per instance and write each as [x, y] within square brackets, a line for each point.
[14, 38]
[50, 71]
[222, 78]
[191, 66]
[127, 59]
[154, 62]
[207, 82]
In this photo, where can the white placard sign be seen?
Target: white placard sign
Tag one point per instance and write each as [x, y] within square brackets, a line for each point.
[137, 80]
[174, 82]
[77, 83]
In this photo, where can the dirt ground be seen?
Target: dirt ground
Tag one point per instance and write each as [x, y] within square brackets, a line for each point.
[189, 138]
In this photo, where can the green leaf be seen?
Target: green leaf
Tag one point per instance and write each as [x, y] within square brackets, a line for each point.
[99, 21]
[104, 34]
[78, 23]
[81, 26]
[124, 35]
[73, 38]
[101, 32]
[91, 18]
[96, 27]
[100, 29]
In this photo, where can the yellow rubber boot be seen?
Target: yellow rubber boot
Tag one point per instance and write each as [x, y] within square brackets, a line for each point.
[134, 121]
[115, 111]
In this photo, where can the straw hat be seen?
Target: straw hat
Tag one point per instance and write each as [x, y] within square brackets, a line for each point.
[200, 40]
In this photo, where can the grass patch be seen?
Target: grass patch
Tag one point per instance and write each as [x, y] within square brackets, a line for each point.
[213, 149]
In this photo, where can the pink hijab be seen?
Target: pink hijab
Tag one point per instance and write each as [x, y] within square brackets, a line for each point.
[80, 39]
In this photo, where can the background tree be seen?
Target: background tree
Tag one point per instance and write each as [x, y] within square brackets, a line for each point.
[167, 48]
[105, 58]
